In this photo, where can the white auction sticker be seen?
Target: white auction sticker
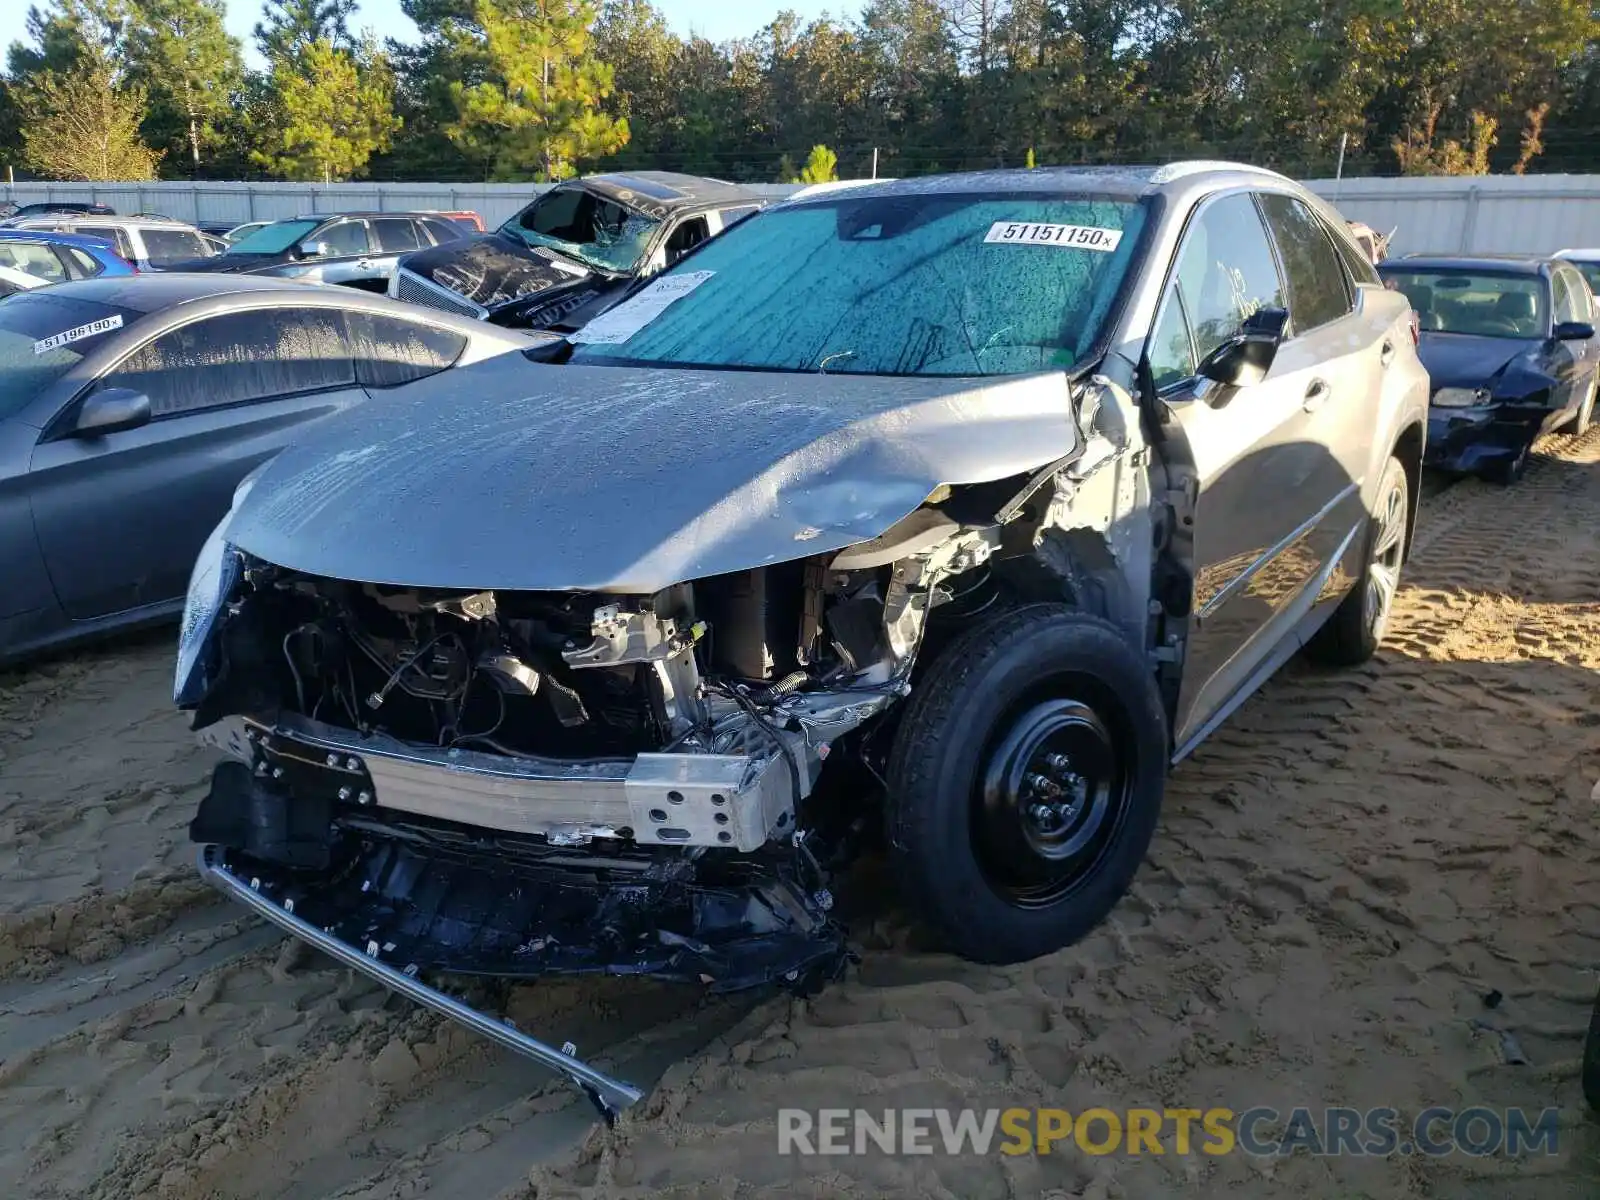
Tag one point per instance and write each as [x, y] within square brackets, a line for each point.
[632, 315]
[103, 325]
[1072, 237]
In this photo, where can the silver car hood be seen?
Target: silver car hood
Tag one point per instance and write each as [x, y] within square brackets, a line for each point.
[517, 476]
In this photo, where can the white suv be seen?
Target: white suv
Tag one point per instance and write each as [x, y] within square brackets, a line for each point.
[149, 243]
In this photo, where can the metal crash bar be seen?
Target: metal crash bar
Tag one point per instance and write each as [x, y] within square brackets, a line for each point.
[609, 1095]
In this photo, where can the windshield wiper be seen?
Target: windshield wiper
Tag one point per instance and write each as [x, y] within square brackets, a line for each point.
[822, 367]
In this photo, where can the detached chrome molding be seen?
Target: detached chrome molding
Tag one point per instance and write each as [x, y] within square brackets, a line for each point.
[608, 1095]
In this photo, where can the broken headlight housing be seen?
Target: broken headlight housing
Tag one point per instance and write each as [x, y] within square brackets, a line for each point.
[216, 573]
[1459, 397]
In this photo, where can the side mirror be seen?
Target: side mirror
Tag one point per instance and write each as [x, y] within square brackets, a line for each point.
[1573, 331]
[1246, 357]
[111, 411]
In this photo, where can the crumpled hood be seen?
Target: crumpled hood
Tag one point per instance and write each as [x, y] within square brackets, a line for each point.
[1462, 360]
[495, 270]
[518, 476]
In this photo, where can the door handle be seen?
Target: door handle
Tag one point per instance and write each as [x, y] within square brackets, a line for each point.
[1316, 395]
[1386, 356]
[363, 264]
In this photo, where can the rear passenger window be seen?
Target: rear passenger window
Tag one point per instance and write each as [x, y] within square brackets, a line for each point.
[165, 246]
[1318, 289]
[83, 267]
[445, 231]
[395, 235]
[389, 351]
[239, 358]
[115, 236]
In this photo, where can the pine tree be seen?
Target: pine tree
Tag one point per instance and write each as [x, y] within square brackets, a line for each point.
[181, 54]
[289, 27]
[822, 166]
[336, 112]
[537, 110]
[80, 124]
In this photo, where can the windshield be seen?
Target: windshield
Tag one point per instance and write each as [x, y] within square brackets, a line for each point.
[886, 285]
[272, 239]
[586, 227]
[42, 337]
[1480, 304]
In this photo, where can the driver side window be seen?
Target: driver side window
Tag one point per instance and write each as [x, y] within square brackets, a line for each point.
[1225, 274]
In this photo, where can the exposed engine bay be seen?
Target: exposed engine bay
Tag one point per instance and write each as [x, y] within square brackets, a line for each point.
[517, 783]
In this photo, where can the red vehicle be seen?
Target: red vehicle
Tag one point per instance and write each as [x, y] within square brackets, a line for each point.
[465, 216]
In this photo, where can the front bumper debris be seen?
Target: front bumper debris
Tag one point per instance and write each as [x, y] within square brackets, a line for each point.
[688, 799]
[610, 1096]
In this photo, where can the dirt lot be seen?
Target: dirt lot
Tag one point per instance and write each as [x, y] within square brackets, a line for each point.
[1341, 875]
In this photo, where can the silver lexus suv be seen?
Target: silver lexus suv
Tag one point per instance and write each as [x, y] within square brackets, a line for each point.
[932, 518]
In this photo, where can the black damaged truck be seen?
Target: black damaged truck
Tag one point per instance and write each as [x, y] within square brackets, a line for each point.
[575, 250]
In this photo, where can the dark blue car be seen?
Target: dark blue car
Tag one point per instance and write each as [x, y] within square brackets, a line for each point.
[57, 257]
[1510, 346]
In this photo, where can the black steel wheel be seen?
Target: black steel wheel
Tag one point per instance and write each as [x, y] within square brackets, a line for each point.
[1025, 782]
[1053, 793]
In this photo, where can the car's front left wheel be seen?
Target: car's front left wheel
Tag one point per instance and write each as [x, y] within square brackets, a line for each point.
[1025, 782]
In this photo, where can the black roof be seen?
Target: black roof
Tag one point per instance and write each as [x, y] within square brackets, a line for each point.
[1497, 264]
[156, 290]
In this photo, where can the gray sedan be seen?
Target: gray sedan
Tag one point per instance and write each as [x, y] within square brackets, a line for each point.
[131, 408]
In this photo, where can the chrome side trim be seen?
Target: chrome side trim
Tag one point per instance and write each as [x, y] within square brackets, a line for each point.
[1241, 580]
[1307, 622]
[609, 1095]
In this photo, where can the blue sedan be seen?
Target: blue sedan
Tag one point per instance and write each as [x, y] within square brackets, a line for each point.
[56, 257]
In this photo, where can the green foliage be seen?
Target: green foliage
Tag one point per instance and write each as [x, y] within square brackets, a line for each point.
[1030, 163]
[289, 27]
[535, 107]
[82, 123]
[336, 109]
[179, 52]
[518, 88]
[822, 166]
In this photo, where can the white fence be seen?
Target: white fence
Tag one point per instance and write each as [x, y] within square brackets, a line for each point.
[1500, 213]
[1487, 214]
[236, 203]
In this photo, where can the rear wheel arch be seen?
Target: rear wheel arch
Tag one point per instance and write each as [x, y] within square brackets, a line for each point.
[1408, 448]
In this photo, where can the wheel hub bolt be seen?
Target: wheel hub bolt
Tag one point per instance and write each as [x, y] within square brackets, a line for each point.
[1043, 785]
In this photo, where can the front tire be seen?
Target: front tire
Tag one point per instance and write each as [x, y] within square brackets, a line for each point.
[1025, 782]
[1355, 631]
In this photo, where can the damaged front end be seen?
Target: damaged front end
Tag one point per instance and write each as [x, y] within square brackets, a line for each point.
[519, 784]
[630, 752]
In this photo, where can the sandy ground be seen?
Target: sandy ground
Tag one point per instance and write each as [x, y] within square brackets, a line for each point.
[1341, 875]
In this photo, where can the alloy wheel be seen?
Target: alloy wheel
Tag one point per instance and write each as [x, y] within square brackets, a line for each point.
[1388, 551]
